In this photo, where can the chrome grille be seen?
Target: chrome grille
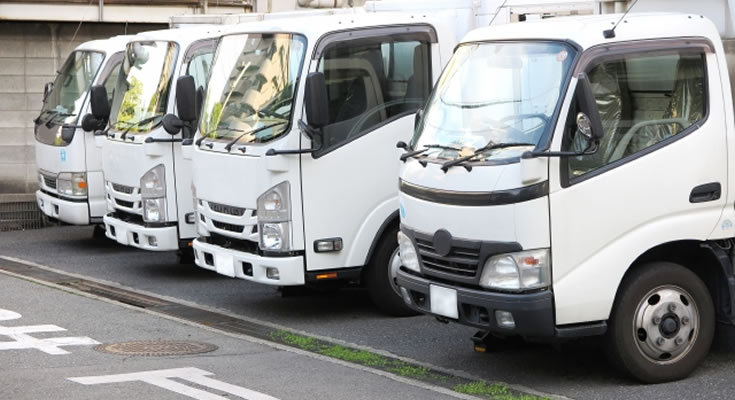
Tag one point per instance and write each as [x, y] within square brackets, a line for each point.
[225, 209]
[228, 227]
[122, 188]
[50, 182]
[460, 261]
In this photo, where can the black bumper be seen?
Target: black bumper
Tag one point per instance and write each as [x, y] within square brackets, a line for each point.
[533, 313]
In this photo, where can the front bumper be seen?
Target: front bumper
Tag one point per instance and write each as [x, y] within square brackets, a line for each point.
[243, 265]
[166, 238]
[533, 313]
[71, 212]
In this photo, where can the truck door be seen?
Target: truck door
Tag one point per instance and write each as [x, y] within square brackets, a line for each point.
[197, 63]
[376, 80]
[655, 178]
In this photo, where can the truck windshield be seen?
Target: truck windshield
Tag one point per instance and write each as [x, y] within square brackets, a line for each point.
[143, 86]
[491, 96]
[70, 88]
[252, 86]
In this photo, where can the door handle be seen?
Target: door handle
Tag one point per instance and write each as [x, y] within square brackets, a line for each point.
[704, 193]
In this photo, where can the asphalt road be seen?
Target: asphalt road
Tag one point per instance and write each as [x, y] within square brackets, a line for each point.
[36, 368]
[577, 370]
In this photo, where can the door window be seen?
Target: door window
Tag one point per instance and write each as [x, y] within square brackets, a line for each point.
[371, 82]
[111, 81]
[642, 100]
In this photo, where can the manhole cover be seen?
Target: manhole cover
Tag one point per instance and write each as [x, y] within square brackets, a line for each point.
[154, 348]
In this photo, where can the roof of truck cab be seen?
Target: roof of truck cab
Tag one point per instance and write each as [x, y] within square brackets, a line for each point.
[316, 26]
[182, 36]
[586, 31]
[110, 45]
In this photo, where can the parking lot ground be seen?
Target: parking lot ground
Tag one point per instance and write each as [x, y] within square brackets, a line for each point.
[59, 344]
[575, 370]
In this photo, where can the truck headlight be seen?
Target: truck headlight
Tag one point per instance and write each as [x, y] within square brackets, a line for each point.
[154, 210]
[407, 252]
[153, 192]
[274, 218]
[72, 183]
[517, 271]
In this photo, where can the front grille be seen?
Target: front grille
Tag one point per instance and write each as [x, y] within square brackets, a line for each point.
[460, 261]
[50, 182]
[225, 209]
[246, 246]
[228, 227]
[123, 203]
[122, 189]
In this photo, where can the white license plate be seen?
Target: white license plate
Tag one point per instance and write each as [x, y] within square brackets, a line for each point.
[225, 264]
[443, 301]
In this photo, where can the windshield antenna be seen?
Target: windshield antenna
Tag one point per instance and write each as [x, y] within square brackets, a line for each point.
[610, 33]
[497, 10]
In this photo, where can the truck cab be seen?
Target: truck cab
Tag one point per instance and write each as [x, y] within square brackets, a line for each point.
[569, 178]
[285, 200]
[147, 181]
[71, 183]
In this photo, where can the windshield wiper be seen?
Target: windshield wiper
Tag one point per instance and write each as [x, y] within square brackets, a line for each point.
[252, 131]
[54, 114]
[132, 125]
[443, 147]
[490, 146]
[222, 128]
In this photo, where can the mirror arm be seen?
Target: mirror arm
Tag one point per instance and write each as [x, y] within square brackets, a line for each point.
[187, 142]
[274, 152]
[591, 149]
[159, 140]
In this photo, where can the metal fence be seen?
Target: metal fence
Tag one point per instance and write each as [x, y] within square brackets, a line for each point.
[21, 215]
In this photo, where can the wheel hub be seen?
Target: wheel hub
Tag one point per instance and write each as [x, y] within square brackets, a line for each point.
[666, 324]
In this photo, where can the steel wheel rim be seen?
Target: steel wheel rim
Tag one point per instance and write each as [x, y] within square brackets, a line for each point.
[666, 324]
[394, 264]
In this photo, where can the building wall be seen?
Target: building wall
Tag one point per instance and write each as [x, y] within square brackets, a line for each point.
[30, 55]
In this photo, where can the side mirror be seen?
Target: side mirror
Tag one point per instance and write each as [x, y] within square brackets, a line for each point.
[186, 106]
[588, 119]
[90, 123]
[315, 98]
[172, 124]
[99, 102]
[47, 88]
[186, 98]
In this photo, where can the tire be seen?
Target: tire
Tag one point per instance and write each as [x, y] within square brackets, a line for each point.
[379, 280]
[662, 324]
[99, 232]
[185, 256]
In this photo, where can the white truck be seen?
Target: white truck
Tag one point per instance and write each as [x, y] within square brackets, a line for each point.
[570, 178]
[286, 200]
[71, 185]
[147, 181]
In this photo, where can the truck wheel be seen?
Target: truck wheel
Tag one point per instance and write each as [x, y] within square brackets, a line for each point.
[662, 324]
[380, 277]
[185, 256]
[99, 232]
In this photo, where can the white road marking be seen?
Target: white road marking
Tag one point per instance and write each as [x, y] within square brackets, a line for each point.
[20, 340]
[162, 379]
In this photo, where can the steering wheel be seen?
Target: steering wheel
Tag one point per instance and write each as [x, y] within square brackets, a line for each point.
[357, 127]
[521, 117]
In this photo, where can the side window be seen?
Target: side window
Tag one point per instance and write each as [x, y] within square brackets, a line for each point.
[642, 99]
[371, 82]
[199, 68]
[111, 81]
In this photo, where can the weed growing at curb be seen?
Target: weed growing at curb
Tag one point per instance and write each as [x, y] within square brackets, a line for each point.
[492, 391]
